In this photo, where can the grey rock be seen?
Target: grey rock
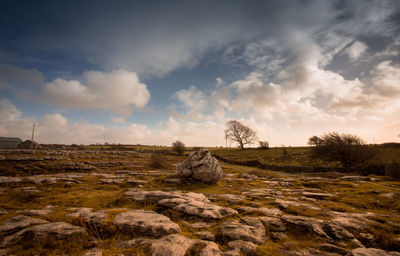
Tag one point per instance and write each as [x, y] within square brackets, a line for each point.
[372, 252]
[178, 245]
[91, 217]
[232, 199]
[285, 204]
[18, 223]
[55, 230]
[242, 246]
[272, 212]
[37, 212]
[197, 208]
[247, 176]
[209, 249]
[305, 224]
[354, 178]
[333, 248]
[350, 223]
[318, 195]
[205, 235]
[274, 224]
[200, 166]
[94, 252]
[145, 223]
[249, 229]
[6, 179]
[154, 196]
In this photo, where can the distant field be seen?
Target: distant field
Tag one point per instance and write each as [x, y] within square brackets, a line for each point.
[300, 156]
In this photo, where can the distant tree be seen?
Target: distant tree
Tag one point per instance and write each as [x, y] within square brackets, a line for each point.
[263, 144]
[350, 150]
[240, 133]
[178, 147]
[313, 141]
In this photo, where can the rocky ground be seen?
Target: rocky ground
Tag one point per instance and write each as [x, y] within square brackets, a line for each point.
[113, 203]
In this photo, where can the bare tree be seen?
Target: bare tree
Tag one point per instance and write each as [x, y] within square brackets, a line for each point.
[240, 133]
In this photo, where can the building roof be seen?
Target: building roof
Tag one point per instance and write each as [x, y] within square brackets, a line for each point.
[10, 139]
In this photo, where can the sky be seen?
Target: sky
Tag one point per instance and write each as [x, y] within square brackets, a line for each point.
[152, 72]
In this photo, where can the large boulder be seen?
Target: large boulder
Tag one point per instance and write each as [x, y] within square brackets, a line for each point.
[200, 166]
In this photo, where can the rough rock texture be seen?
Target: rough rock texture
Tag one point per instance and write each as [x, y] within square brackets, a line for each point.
[372, 252]
[200, 166]
[197, 208]
[39, 233]
[306, 224]
[97, 219]
[240, 246]
[249, 229]
[142, 222]
[271, 212]
[154, 196]
[94, 252]
[173, 245]
[18, 223]
[205, 235]
[187, 203]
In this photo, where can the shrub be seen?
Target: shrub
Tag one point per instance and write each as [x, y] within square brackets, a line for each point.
[157, 161]
[393, 170]
[350, 150]
[178, 147]
[263, 144]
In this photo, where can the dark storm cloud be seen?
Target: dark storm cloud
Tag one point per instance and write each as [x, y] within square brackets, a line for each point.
[154, 37]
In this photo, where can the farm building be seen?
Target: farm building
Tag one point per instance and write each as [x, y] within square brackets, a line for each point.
[27, 145]
[8, 142]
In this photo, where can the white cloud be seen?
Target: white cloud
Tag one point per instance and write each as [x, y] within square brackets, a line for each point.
[386, 78]
[118, 120]
[356, 50]
[117, 91]
[193, 100]
[8, 111]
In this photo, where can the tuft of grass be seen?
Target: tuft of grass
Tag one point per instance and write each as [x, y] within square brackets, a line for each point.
[157, 161]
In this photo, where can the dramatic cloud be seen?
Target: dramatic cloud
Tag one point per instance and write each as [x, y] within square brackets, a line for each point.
[116, 91]
[193, 101]
[12, 77]
[8, 111]
[356, 50]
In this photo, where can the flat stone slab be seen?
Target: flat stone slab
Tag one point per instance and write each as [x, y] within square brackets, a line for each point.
[173, 245]
[197, 208]
[39, 233]
[18, 223]
[89, 216]
[248, 229]
[272, 212]
[142, 222]
[154, 196]
[372, 252]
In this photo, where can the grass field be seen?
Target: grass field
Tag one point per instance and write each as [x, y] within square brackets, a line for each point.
[301, 156]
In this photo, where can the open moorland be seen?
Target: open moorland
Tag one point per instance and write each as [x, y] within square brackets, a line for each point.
[127, 202]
